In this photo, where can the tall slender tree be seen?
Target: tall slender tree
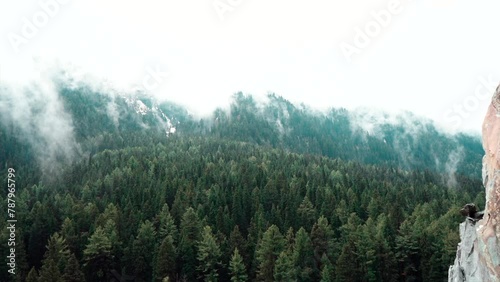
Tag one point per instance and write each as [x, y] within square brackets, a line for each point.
[32, 275]
[166, 260]
[190, 232]
[57, 250]
[237, 267]
[167, 224]
[49, 272]
[270, 247]
[72, 271]
[143, 249]
[208, 256]
[97, 255]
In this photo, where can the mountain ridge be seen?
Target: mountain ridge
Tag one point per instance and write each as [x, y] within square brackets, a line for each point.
[405, 140]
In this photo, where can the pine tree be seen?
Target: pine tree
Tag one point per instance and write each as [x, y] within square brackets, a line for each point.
[167, 224]
[366, 250]
[348, 265]
[236, 240]
[237, 267]
[69, 232]
[386, 261]
[322, 238]
[98, 256]
[72, 271]
[143, 249]
[189, 235]
[49, 272]
[408, 252]
[57, 250]
[110, 213]
[41, 228]
[208, 256]
[306, 212]
[32, 275]
[304, 257]
[166, 260]
[270, 247]
[326, 272]
[290, 239]
[284, 269]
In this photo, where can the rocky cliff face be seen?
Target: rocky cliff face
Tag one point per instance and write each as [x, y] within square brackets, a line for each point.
[478, 253]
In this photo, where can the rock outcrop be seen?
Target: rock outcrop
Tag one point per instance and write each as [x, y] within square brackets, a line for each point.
[478, 253]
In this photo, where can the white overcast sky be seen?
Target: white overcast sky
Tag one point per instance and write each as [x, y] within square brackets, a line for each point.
[429, 58]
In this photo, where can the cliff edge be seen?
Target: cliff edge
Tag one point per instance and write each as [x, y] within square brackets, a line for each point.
[478, 253]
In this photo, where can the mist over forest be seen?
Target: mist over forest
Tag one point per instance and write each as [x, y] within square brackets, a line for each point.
[113, 184]
[233, 140]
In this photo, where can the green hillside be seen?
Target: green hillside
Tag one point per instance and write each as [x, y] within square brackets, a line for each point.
[258, 192]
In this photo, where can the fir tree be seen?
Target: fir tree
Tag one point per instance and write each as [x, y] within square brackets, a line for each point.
[303, 257]
[208, 256]
[49, 272]
[321, 238]
[32, 275]
[237, 267]
[189, 236]
[166, 259]
[270, 246]
[284, 269]
[143, 249]
[236, 240]
[72, 271]
[57, 250]
[97, 256]
[327, 271]
[167, 224]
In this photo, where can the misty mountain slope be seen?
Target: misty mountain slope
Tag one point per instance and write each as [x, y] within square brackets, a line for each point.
[403, 141]
[352, 192]
[58, 124]
[97, 113]
[406, 141]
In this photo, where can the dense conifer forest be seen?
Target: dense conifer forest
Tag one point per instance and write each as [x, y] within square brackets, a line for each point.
[272, 192]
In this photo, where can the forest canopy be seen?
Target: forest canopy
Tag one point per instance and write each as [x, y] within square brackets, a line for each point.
[236, 200]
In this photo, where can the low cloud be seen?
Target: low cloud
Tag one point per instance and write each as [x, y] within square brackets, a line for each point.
[37, 116]
[451, 166]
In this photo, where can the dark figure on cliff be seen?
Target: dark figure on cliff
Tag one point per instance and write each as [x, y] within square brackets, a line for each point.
[470, 210]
